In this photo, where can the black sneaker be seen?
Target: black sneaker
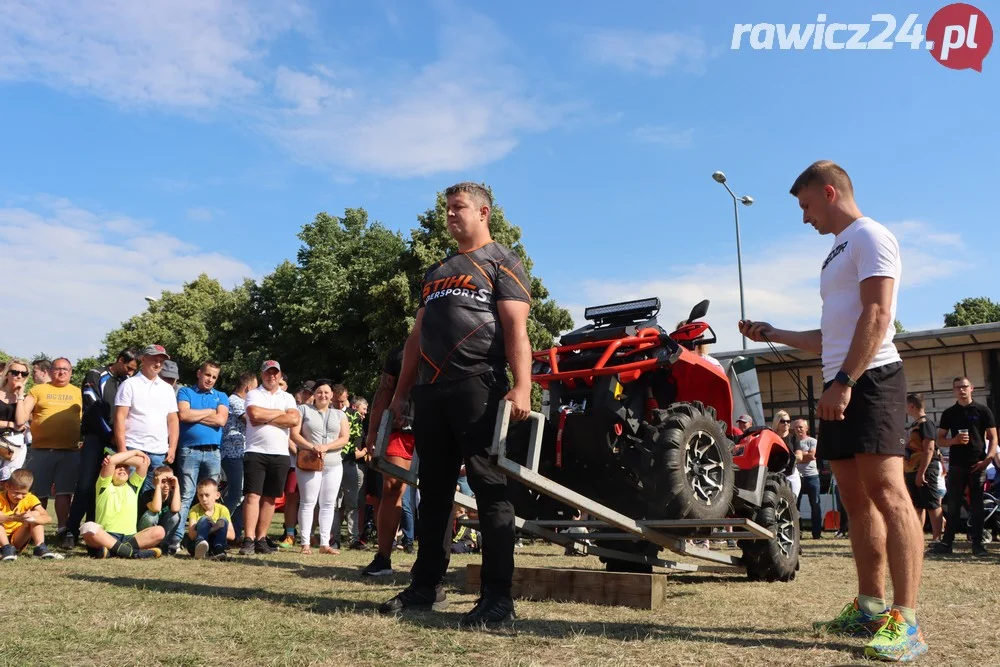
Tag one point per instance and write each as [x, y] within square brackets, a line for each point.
[272, 545]
[8, 552]
[940, 548]
[979, 551]
[358, 546]
[42, 551]
[491, 610]
[248, 548]
[415, 598]
[407, 547]
[261, 546]
[67, 541]
[379, 567]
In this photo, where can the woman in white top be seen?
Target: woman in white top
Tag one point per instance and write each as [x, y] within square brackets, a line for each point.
[323, 430]
[782, 425]
[12, 449]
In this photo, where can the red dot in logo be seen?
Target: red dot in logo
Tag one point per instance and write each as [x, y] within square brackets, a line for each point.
[961, 35]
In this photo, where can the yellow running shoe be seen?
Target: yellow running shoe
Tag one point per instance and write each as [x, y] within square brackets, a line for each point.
[897, 640]
[853, 622]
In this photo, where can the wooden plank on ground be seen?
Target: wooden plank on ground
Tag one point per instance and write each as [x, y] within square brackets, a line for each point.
[627, 589]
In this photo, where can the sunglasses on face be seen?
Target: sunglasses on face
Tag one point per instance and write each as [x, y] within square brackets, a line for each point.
[20, 374]
[784, 421]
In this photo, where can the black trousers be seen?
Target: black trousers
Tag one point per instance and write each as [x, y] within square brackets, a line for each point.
[92, 456]
[959, 478]
[452, 422]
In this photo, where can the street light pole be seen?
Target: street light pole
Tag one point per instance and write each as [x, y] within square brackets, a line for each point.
[746, 200]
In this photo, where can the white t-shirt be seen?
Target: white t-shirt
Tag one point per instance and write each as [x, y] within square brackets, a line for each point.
[864, 250]
[268, 439]
[148, 402]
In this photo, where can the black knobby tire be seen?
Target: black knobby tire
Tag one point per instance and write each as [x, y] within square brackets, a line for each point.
[776, 559]
[694, 475]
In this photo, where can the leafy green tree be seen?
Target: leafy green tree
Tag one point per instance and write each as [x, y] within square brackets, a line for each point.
[83, 366]
[975, 310]
[899, 326]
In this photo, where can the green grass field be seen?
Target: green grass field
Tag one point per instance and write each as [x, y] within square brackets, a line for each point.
[290, 609]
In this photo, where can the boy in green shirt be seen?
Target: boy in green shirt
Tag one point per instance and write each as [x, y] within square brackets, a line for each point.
[117, 509]
[209, 524]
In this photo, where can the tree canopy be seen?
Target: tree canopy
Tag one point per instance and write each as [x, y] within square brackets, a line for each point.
[973, 310]
[347, 300]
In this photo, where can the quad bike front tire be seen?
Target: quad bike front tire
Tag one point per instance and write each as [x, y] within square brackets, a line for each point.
[694, 475]
[776, 559]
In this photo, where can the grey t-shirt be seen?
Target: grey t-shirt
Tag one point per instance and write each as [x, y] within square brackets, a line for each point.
[807, 469]
[322, 427]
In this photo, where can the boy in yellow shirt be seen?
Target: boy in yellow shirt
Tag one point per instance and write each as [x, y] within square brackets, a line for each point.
[209, 524]
[23, 518]
[117, 510]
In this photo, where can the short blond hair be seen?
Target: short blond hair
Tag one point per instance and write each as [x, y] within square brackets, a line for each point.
[824, 172]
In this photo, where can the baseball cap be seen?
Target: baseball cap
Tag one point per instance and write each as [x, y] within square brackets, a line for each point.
[155, 351]
[745, 418]
[170, 370]
[269, 364]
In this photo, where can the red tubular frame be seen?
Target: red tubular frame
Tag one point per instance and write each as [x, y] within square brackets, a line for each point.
[643, 340]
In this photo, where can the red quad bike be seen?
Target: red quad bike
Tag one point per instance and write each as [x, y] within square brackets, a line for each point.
[640, 423]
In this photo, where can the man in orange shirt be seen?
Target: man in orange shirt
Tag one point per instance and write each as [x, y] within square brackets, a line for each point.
[54, 410]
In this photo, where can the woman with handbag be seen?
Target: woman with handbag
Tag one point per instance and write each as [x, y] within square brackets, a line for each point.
[322, 432]
[12, 449]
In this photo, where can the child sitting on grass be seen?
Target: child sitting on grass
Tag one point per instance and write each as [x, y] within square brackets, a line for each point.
[161, 505]
[117, 509]
[210, 526]
[23, 518]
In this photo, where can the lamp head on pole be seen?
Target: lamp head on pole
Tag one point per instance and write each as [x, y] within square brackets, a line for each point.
[746, 199]
[719, 177]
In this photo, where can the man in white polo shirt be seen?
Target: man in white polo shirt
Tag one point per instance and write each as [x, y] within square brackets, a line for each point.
[270, 413]
[146, 413]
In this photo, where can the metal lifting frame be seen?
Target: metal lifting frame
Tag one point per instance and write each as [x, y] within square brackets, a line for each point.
[650, 530]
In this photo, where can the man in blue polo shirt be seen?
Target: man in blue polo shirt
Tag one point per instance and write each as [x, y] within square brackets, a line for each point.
[203, 412]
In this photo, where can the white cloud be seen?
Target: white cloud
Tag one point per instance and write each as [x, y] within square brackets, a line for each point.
[200, 214]
[665, 136]
[83, 273]
[178, 53]
[653, 53]
[466, 108]
[782, 288]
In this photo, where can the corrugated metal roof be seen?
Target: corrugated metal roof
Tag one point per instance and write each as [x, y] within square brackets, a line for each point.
[985, 335]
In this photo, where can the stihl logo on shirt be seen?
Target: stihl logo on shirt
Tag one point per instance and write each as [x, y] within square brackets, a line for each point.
[460, 286]
[833, 253]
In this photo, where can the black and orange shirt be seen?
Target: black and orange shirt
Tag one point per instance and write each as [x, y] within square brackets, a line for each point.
[460, 335]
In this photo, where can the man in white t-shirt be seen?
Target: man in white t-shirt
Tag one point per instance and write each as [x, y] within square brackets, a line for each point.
[862, 409]
[270, 414]
[146, 413]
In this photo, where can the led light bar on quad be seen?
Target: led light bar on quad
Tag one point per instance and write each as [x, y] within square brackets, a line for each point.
[626, 310]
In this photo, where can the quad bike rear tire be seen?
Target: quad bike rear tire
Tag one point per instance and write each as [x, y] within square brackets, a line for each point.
[776, 559]
[694, 474]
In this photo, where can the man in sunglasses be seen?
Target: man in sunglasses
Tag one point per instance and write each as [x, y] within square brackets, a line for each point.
[966, 428]
[54, 409]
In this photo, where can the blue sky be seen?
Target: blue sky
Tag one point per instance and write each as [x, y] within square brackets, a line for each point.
[144, 143]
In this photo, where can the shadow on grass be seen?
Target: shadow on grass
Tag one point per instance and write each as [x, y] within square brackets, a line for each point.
[559, 629]
[320, 604]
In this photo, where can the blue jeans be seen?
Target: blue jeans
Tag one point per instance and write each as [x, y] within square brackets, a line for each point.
[155, 461]
[406, 517]
[233, 500]
[810, 487]
[463, 485]
[213, 533]
[169, 520]
[194, 465]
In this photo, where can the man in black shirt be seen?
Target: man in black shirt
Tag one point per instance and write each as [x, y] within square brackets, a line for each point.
[923, 464]
[471, 322]
[100, 386]
[966, 427]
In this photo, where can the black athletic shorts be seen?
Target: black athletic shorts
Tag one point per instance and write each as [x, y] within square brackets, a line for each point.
[264, 474]
[924, 497]
[874, 421]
